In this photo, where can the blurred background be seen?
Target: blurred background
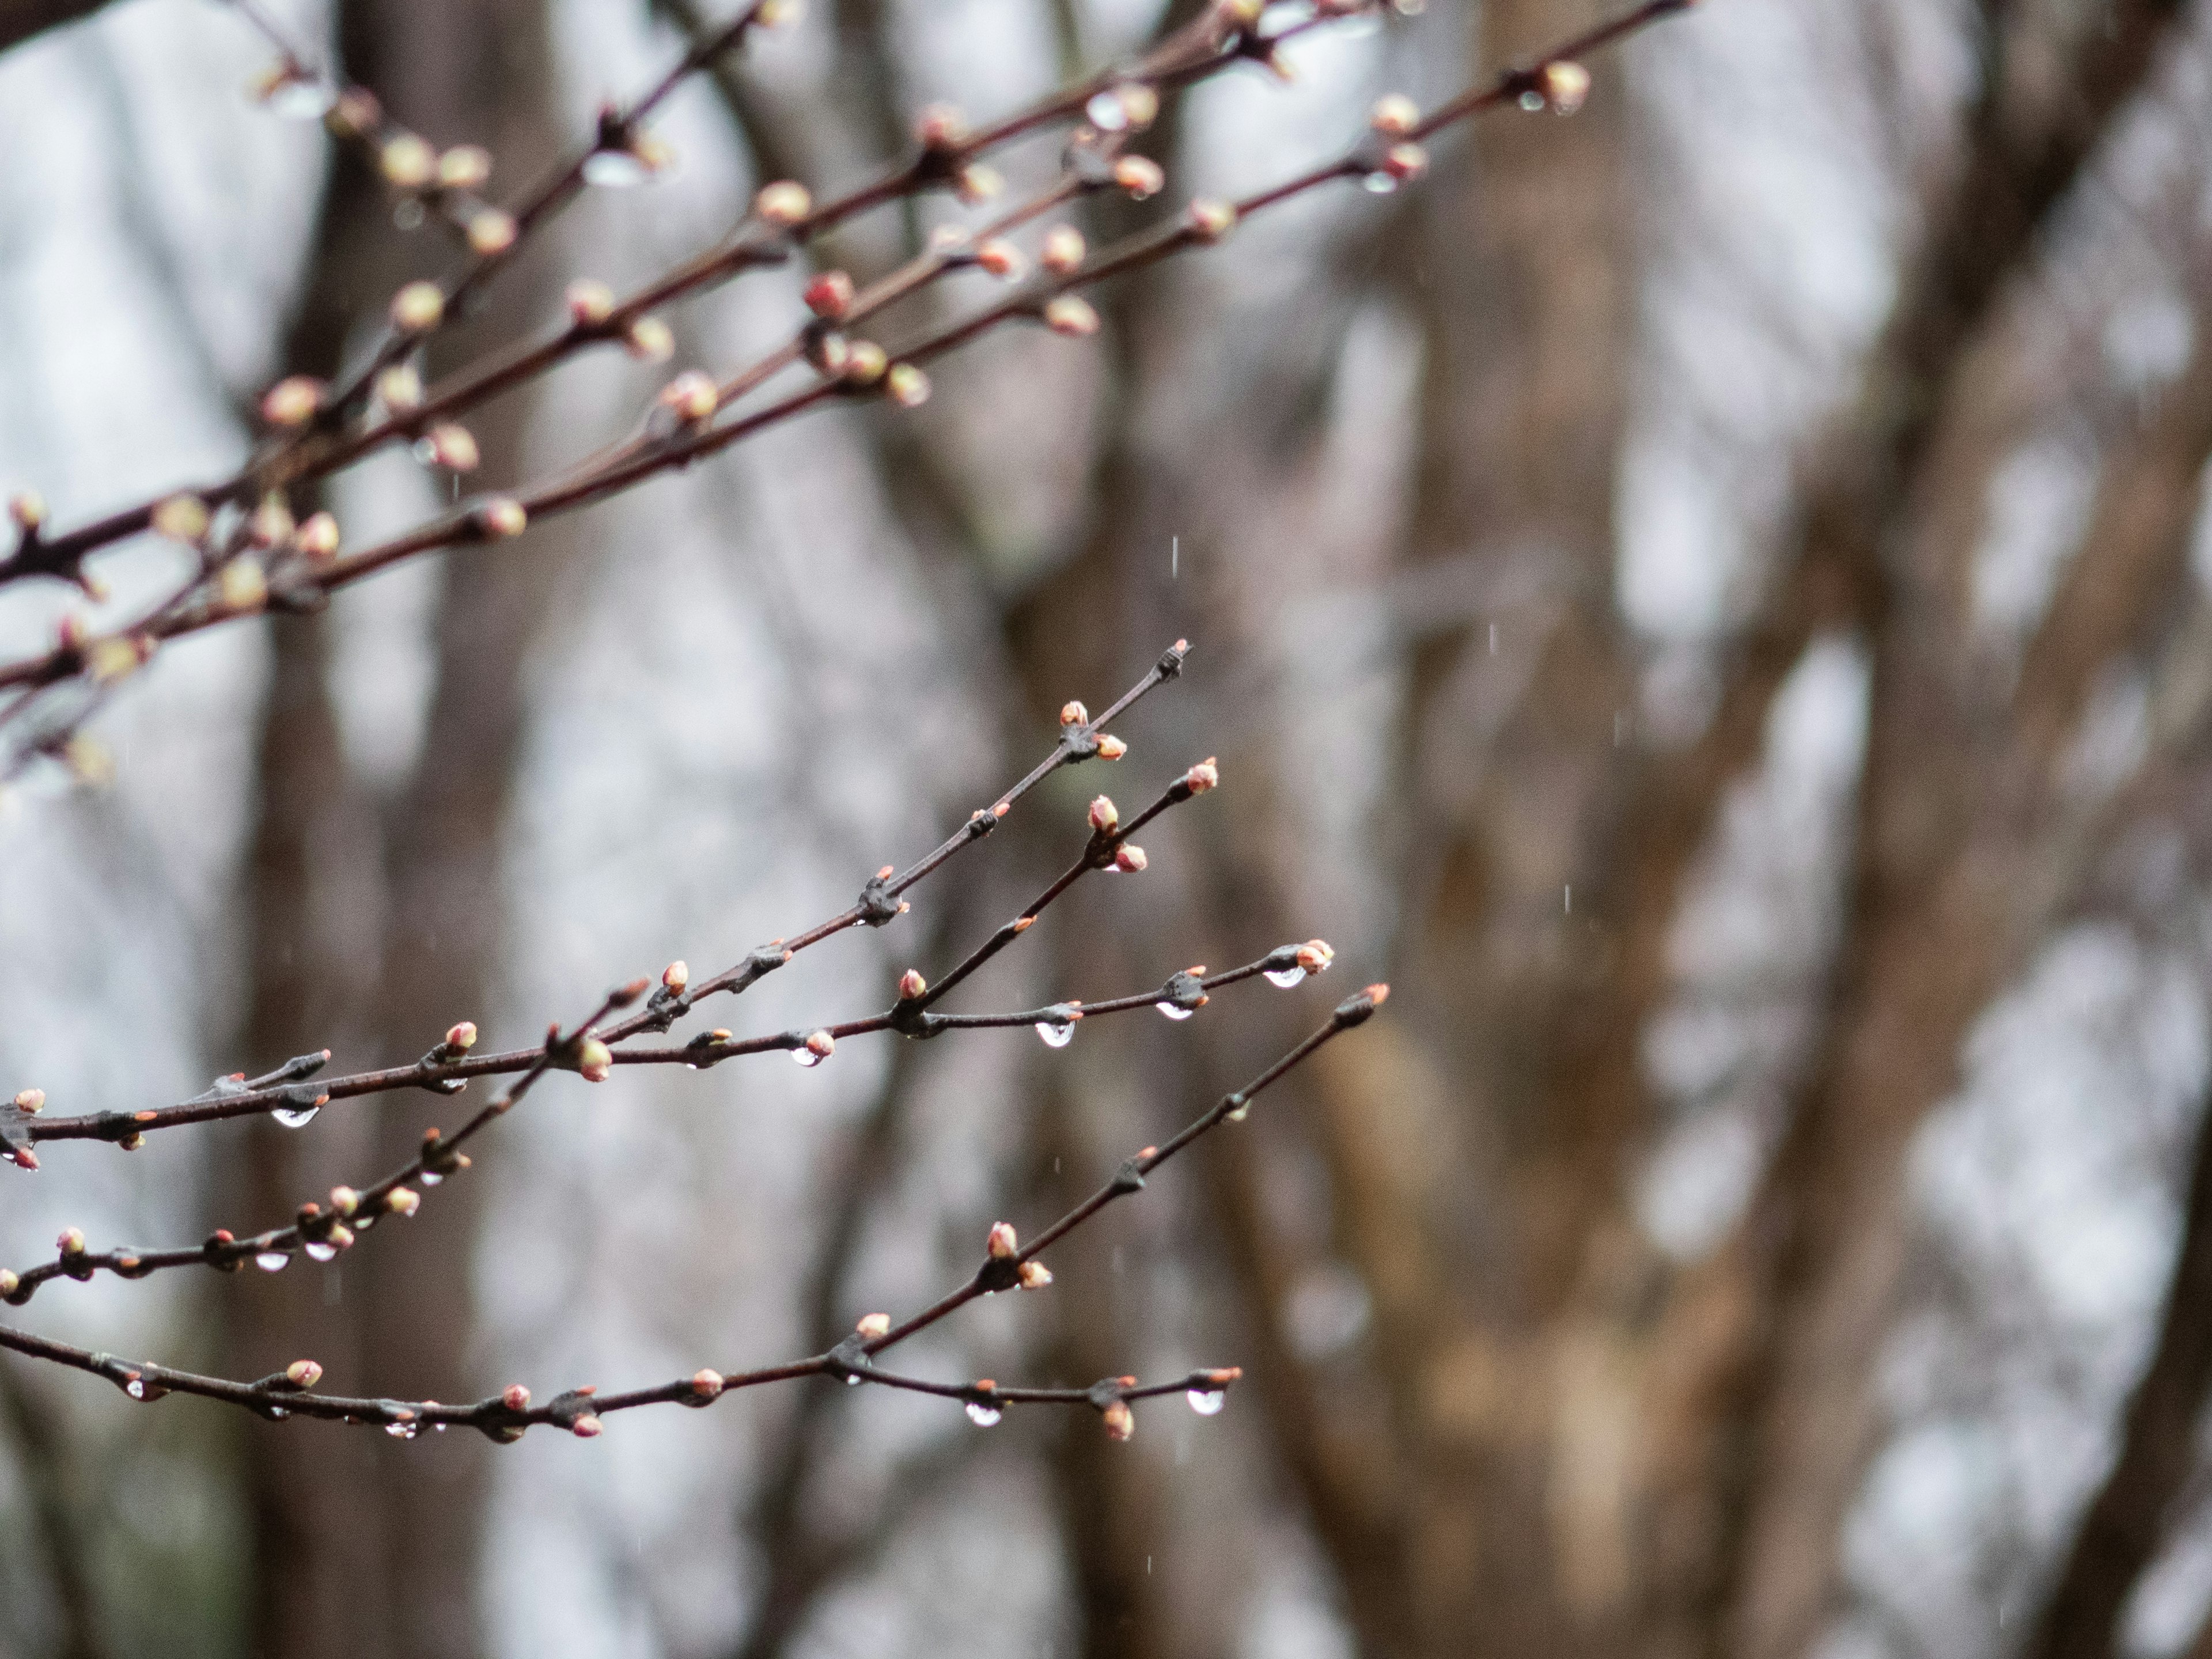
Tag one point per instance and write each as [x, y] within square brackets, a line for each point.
[1708, 597]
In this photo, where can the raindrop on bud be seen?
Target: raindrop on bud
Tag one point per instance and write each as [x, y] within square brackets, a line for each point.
[319, 1251]
[272, 1262]
[1207, 1403]
[983, 1416]
[1057, 1034]
[295, 1117]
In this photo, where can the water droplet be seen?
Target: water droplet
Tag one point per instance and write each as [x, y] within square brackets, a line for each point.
[983, 1416]
[431, 1177]
[322, 1252]
[439, 1428]
[853, 1381]
[272, 1262]
[135, 1389]
[278, 1414]
[615, 169]
[1283, 978]
[1207, 1403]
[1105, 112]
[806, 1057]
[1532, 101]
[1380, 183]
[303, 99]
[295, 1117]
[1174, 1012]
[1057, 1034]
[400, 1431]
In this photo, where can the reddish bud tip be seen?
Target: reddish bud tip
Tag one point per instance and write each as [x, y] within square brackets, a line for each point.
[1002, 1243]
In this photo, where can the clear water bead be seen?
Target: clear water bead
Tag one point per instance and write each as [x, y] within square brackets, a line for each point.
[295, 1117]
[615, 169]
[401, 1430]
[1105, 112]
[135, 1389]
[321, 1252]
[303, 99]
[272, 1262]
[806, 1057]
[853, 1381]
[1283, 978]
[431, 1178]
[983, 1416]
[1207, 1403]
[1532, 101]
[1174, 1012]
[1057, 1034]
[1380, 184]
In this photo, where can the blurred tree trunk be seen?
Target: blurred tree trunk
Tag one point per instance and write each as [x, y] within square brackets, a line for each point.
[397, 1569]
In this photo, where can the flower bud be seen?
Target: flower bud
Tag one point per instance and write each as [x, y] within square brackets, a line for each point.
[8, 1282]
[1000, 258]
[1072, 713]
[340, 1237]
[907, 386]
[1406, 163]
[400, 388]
[1071, 315]
[866, 362]
[344, 1200]
[1063, 250]
[28, 509]
[1140, 105]
[464, 167]
[31, 1102]
[462, 1036]
[821, 1044]
[911, 985]
[783, 204]
[591, 302]
[453, 448]
[242, 584]
[874, 1325]
[182, 519]
[355, 113]
[500, 517]
[1104, 817]
[1111, 748]
[675, 976]
[111, 658]
[1128, 860]
[292, 401]
[418, 308]
[692, 396]
[1120, 1421]
[977, 182]
[1209, 220]
[318, 538]
[515, 1397]
[706, 1384]
[829, 296]
[1140, 176]
[1035, 1275]
[24, 1156]
[594, 1059]
[303, 1373]
[1564, 85]
[649, 341]
[402, 1200]
[407, 162]
[1315, 955]
[271, 525]
[1002, 1243]
[939, 126]
[1395, 115]
[1205, 775]
[492, 232]
[71, 1242]
[586, 1427]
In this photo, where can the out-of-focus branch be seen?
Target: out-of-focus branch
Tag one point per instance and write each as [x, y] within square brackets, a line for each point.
[41, 1451]
[2126, 1522]
[22, 19]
